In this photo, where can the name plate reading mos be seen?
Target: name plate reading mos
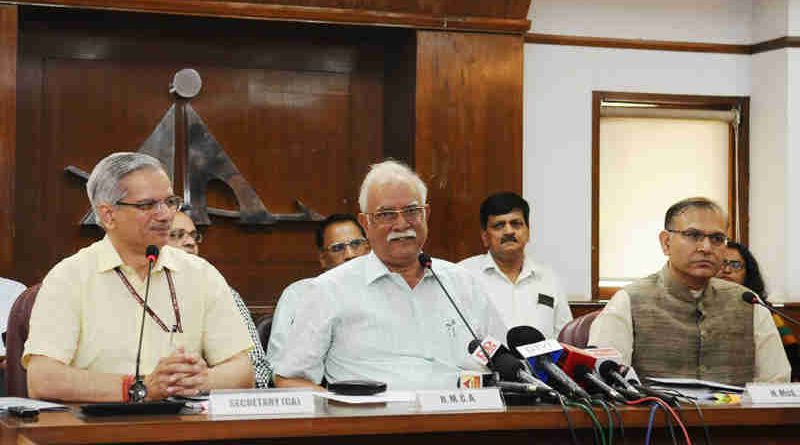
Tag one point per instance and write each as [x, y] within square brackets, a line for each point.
[460, 400]
[260, 402]
[773, 393]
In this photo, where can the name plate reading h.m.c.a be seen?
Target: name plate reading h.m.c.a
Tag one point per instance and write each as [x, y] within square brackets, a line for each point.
[483, 399]
[260, 402]
[769, 394]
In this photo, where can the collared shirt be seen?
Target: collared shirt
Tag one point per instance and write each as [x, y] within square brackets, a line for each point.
[284, 316]
[262, 370]
[536, 299]
[9, 291]
[85, 317]
[614, 327]
[361, 321]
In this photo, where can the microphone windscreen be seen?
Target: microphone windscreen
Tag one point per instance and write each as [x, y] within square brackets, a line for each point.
[580, 372]
[473, 345]
[607, 367]
[424, 260]
[749, 297]
[507, 366]
[522, 335]
[151, 252]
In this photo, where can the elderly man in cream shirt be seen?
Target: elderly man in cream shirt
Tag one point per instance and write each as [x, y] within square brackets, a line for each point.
[683, 322]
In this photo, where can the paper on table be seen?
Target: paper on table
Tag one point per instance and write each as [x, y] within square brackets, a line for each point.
[384, 397]
[6, 402]
[694, 382]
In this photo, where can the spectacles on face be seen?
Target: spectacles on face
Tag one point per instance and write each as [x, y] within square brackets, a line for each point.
[173, 203]
[178, 234]
[733, 264]
[354, 244]
[411, 214]
[716, 239]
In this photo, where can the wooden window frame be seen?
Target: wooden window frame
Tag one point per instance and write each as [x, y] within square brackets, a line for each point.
[738, 184]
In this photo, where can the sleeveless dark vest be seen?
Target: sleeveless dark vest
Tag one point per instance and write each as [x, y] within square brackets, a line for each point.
[678, 335]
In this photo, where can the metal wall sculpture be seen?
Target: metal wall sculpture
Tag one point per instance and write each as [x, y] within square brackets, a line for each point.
[206, 160]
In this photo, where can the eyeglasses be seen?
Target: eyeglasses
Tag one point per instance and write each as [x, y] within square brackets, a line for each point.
[173, 203]
[733, 264]
[389, 216]
[178, 234]
[716, 239]
[354, 244]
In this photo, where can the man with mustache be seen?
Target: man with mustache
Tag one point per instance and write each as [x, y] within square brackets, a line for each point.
[524, 291]
[383, 316]
[683, 321]
[84, 326]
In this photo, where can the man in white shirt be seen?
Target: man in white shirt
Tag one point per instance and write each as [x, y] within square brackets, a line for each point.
[339, 238]
[525, 292]
[683, 321]
[383, 316]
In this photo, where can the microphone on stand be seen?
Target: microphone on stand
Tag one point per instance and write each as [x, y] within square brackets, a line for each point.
[425, 261]
[138, 391]
[750, 297]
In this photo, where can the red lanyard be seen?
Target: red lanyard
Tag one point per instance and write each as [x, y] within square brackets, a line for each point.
[153, 315]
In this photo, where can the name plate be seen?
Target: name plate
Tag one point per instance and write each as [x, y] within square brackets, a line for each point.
[260, 402]
[539, 348]
[460, 400]
[773, 393]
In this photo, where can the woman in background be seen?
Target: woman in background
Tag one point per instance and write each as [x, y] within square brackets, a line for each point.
[740, 266]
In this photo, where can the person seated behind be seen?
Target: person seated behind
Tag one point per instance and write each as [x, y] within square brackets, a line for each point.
[183, 234]
[84, 326]
[9, 291]
[525, 292]
[383, 316]
[339, 238]
[683, 321]
[740, 266]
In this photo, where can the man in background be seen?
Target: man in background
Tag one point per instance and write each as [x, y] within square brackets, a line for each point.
[183, 234]
[339, 238]
[525, 292]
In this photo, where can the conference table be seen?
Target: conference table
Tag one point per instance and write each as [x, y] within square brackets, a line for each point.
[396, 423]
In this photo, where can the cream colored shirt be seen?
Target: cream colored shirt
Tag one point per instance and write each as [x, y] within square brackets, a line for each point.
[85, 317]
[614, 328]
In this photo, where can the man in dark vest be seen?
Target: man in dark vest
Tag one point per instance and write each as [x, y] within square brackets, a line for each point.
[684, 322]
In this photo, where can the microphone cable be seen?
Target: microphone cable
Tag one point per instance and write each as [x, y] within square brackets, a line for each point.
[653, 408]
[669, 410]
[568, 417]
[605, 406]
[620, 421]
[706, 431]
[597, 428]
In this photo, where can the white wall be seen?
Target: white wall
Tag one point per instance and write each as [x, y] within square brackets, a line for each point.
[717, 21]
[559, 81]
[769, 19]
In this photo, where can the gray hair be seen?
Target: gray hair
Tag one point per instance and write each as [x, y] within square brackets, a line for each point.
[390, 171]
[697, 202]
[104, 182]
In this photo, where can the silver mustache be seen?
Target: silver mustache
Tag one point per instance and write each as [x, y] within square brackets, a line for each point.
[409, 233]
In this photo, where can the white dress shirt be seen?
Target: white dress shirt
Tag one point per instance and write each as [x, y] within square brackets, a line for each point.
[284, 315]
[9, 291]
[536, 299]
[361, 321]
[614, 327]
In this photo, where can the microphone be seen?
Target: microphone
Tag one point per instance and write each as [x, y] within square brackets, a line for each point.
[138, 391]
[609, 370]
[520, 336]
[425, 261]
[490, 345]
[512, 371]
[750, 297]
[585, 375]
[669, 398]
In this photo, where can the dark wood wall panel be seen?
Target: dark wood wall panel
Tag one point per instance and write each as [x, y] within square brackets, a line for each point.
[468, 130]
[8, 131]
[298, 108]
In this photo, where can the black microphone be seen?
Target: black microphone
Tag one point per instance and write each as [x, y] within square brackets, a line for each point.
[526, 335]
[511, 370]
[750, 297]
[138, 391]
[585, 375]
[609, 370]
[425, 261]
[671, 399]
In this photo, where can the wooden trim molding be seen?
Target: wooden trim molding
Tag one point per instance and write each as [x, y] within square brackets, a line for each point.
[657, 45]
[663, 45]
[412, 17]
